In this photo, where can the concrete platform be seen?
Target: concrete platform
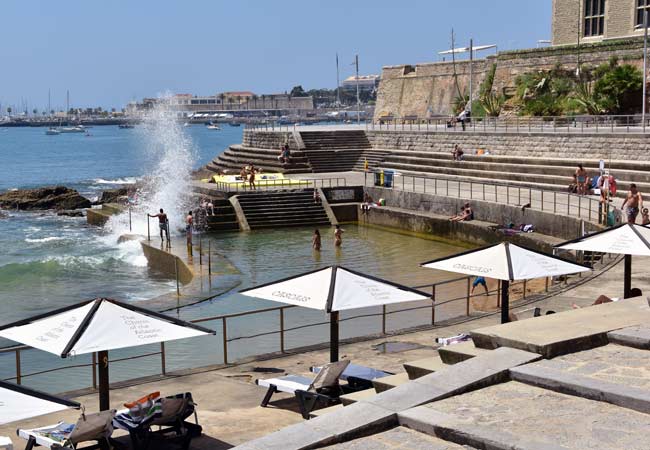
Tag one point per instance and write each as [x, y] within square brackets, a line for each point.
[637, 337]
[514, 415]
[614, 374]
[422, 367]
[354, 397]
[322, 411]
[567, 331]
[386, 383]
[455, 353]
[399, 438]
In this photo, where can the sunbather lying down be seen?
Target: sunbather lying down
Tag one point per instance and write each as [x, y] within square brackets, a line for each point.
[634, 292]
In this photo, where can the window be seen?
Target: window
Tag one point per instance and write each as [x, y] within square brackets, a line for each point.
[595, 17]
[641, 7]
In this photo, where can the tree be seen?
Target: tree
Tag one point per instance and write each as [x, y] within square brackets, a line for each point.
[619, 89]
[254, 101]
[222, 97]
[297, 91]
[9, 110]
[35, 111]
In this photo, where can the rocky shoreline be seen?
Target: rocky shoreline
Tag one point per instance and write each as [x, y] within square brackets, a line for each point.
[65, 200]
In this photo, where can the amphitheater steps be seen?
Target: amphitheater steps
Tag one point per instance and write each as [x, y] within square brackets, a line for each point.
[282, 209]
[221, 218]
[238, 156]
[340, 151]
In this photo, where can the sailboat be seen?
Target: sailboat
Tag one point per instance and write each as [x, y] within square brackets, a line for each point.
[52, 131]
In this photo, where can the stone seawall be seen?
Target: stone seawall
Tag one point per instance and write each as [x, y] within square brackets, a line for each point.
[629, 147]
[269, 139]
[166, 262]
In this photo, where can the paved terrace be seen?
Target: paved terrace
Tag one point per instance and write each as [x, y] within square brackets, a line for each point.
[228, 401]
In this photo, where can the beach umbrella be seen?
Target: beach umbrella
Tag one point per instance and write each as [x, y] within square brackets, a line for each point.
[19, 402]
[506, 262]
[625, 239]
[335, 289]
[98, 325]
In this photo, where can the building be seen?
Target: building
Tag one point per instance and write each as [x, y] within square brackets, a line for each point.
[588, 21]
[235, 102]
[366, 82]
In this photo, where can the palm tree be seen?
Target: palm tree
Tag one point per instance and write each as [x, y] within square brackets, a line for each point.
[263, 101]
[222, 97]
[9, 110]
[254, 101]
[238, 101]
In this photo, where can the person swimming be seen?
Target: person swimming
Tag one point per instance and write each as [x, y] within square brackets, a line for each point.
[338, 236]
[316, 241]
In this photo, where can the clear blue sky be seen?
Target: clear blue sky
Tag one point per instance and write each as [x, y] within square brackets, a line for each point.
[110, 52]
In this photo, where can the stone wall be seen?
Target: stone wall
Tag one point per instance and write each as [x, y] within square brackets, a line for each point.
[269, 139]
[427, 90]
[553, 145]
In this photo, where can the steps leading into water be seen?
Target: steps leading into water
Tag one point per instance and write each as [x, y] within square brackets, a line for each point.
[340, 151]
[237, 156]
[286, 208]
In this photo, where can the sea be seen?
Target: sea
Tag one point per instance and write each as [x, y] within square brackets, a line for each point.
[49, 261]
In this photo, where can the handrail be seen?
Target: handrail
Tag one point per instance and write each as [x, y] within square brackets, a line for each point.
[285, 183]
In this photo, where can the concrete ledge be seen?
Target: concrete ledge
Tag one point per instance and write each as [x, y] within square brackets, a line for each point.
[637, 337]
[565, 332]
[450, 428]
[582, 386]
[166, 262]
[385, 383]
[455, 353]
[425, 366]
[239, 212]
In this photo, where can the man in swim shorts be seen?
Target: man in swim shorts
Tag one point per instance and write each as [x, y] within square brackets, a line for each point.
[163, 223]
[481, 281]
[634, 202]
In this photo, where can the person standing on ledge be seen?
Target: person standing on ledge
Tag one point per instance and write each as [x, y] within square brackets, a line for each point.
[634, 202]
[163, 223]
[338, 236]
[482, 282]
[189, 224]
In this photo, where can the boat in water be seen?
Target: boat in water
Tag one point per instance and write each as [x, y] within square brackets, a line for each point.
[74, 129]
[235, 124]
[52, 131]
[126, 125]
[213, 126]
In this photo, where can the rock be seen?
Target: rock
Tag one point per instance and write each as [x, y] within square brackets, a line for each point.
[71, 213]
[114, 195]
[51, 197]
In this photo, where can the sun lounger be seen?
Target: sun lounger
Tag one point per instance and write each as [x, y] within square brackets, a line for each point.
[169, 414]
[358, 377]
[324, 388]
[90, 427]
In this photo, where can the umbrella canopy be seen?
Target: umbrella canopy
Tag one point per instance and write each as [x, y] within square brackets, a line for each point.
[18, 403]
[98, 326]
[507, 262]
[335, 289]
[625, 239]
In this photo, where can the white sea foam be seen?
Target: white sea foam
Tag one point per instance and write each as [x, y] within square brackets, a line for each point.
[125, 180]
[45, 239]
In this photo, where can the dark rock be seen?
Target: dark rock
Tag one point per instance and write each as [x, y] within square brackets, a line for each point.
[52, 197]
[71, 213]
[114, 195]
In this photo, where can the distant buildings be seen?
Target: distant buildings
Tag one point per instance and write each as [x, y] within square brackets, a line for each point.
[367, 83]
[238, 103]
[597, 20]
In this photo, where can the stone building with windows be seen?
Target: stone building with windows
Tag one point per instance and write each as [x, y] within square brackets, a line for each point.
[588, 21]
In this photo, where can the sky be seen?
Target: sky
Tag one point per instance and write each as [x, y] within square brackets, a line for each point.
[107, 53]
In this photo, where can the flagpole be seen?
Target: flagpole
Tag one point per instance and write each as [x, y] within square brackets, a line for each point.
[356, 61]
[338, 83]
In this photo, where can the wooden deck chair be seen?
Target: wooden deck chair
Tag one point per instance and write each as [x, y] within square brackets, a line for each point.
[324, 388]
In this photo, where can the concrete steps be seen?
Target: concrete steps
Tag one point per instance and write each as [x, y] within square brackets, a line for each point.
[340, 151]
[425, 366]
[238, 156]
[390, 382]
[282, 209]
[221, 218]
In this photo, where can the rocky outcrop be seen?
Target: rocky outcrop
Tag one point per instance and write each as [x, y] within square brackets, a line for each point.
[118, 195]
[52, 197]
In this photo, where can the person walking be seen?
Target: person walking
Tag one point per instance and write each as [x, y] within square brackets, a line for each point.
[251, 177]
[316, 241]
[581, 179]
[634, 202]
[163, 223]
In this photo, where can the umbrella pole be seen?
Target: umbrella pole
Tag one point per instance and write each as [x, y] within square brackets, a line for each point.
[627, 276]
[104, 402]
[334, 336]
[505, 301]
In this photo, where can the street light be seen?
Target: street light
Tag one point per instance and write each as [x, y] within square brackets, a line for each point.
[645, 62]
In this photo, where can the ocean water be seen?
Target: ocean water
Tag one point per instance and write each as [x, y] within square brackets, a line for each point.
[47, 261]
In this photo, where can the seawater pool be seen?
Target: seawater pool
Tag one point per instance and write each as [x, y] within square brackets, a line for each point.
[260, 257]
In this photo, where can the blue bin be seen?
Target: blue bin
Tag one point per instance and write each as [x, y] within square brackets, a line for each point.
[388, 178]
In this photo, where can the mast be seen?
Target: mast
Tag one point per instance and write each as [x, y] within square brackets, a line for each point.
[49, 102]
[67, 102]
[356, 61]
[338, 82]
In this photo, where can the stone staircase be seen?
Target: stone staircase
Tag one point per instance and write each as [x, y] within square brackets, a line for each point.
[237, 156]
[221, 218]
[285, 208]
[340, 151]
[543, 173]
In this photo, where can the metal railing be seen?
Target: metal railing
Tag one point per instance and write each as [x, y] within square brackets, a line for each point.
[581, 206]
[581, 124]
[284, 183]
[227, 336]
